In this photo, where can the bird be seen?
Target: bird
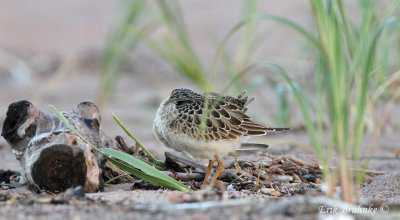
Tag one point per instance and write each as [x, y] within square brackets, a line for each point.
[206, 125]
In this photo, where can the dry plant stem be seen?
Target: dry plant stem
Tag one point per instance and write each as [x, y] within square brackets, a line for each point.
[280, 178]
[380, 122]
[185, 176]
[330, 179]
[136, 150]
[345, 178]
[121, 144]
[51, 156]
[237, 166]
[118, 170]
[258, 179]
[304, 163]
[247, 161]
[296, 161]
[246, 174]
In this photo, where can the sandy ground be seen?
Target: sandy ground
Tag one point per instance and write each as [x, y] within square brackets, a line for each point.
[49, 54]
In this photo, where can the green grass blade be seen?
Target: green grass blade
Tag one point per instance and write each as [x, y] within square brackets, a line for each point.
[290, 24]
[361, 105]
[176, 47]
[115, 178]
[65, 121]
[121, 41]
[301, 101]
[246, 43]
[142, 166]
[146, 177]
[136, 140]
[220, 50]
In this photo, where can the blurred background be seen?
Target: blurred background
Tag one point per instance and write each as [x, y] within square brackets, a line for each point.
[127, 56]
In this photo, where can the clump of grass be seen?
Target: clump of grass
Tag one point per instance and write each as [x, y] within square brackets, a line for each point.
[129, 163]
[177, 49]
[245, 46]
[346, 56]
[284, 105]
[123, 39]
[173, 44]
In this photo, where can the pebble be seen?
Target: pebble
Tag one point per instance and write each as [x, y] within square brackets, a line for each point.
[269, 191]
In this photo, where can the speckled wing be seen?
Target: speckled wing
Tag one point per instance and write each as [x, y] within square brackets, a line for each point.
[227, 119]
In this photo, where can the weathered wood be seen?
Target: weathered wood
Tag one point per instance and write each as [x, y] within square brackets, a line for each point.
[52, 157]
[185, 176]
[23, 122]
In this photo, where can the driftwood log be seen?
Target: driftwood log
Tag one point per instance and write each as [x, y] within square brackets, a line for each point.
[52, 157]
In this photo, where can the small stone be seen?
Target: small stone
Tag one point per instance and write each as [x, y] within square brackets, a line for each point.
[270, 192]
[230, 188]
[171, 197]
[78, 192]
[280, 178]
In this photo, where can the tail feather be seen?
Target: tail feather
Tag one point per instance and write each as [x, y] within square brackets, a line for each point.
[254, 129]
[243, 95]
[252, 146]
[278, 129]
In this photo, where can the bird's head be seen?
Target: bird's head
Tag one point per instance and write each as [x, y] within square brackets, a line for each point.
[182, 94]
[177, 98]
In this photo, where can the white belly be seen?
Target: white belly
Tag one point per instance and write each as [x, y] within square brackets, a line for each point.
[195, 148]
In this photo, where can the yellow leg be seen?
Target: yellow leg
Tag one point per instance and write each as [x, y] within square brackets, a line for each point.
[210, 166]
[219, 168]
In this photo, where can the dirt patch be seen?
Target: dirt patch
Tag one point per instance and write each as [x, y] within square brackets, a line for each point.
[384, 188]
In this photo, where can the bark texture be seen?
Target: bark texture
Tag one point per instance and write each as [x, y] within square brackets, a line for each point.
[52, 157]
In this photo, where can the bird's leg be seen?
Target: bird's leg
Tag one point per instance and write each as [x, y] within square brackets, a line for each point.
[210, 166]
[219, 168]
